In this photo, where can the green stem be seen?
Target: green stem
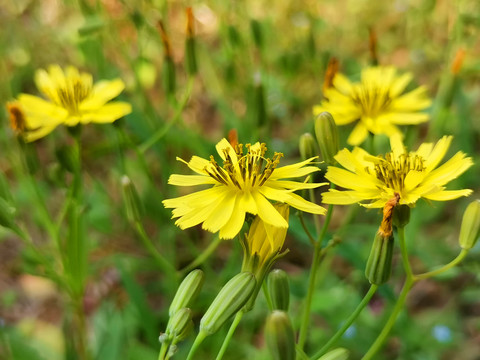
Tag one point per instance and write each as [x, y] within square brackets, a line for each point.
[163, 351]
[202, 257]
[304, 226]
[227, 339]
[403, 249]
[446, 267]
[147, 242]
[317, 257]
[348, 322]
[409, 282]
[162, 131]
[198, 341]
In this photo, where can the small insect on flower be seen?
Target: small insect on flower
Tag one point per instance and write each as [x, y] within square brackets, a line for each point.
[71, 99]
[378, 102]
[410, 175]
[242, 184]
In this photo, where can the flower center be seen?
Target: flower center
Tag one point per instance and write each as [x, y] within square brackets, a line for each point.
[392, 171]
[371, 98]
[71, 94]
[247, 170]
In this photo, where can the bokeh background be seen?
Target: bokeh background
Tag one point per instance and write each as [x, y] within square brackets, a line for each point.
[261, 68]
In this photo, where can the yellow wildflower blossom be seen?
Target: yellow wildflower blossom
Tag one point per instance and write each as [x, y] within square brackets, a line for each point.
[410, 175]
[378, 102]
[72, 99]
[242, 185]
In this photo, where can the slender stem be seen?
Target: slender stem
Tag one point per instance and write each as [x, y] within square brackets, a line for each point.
[198, 340]
[348, 322]
[304, 226]
[446, 267]
[202, 257]
[317, 257]
[227, 339]
[147, 242]
[409, 282]
[162, 131]
[403, 249]
[163, 351]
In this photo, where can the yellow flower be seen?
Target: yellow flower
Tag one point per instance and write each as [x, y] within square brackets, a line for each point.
[243, 184]
[377, 102]
[411, 175]
[264, 241]
[72, 99]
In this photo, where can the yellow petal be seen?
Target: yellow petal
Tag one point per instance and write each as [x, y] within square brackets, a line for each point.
[294, 170]
[102, 92]
[267, 212]
[221, 212]
[233, 225]
[399, 84]
[190, 180]
[452, 169]
[436, 155]
[448, 195]
[107, 113]
[358, 134]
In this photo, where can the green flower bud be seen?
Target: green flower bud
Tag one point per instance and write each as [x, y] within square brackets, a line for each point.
[307, 146]
[279, 336]
[180, 325]
[256, 33]
[327, 136]
[169, 77]
[279, 290]
[337, 354]
[470, 230]
[187, 291]
[379, 263]
[401, 215]
[133, 204]
[231, 298]
[190, 52]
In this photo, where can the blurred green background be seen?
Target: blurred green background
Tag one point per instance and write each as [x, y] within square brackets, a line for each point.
[261, 67]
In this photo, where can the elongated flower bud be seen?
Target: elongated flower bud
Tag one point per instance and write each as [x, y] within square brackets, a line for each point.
[279, 289]
[379, 263]
[187, 291]
[279, 336]
[131, 199]
[228, 302]
[327, 136]
[337, 354]
[307, 146]
[190, 52]
[470, 230]
[180, 325]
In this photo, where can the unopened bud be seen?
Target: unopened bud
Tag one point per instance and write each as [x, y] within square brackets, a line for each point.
[470, 230]
[187, 291]
[379, 263]
[133, 204]
[279, 336]
[337, 354]
[327, 136]
[231, 298]
[190, 52]
[279, 289]
[401, 216]
[307, 146]
[180, 325]
[256, 33]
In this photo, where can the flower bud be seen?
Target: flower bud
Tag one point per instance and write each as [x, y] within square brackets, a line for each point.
[279, 336]
[187, 291]
[231, 298]
[337, 354]
[379, 263]
[307, 146]
[190, 53]
[401, 216]
[327, 136]
[133, 204]
[180, 325]
[470, 229]
[257, 33]
[279, 290]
